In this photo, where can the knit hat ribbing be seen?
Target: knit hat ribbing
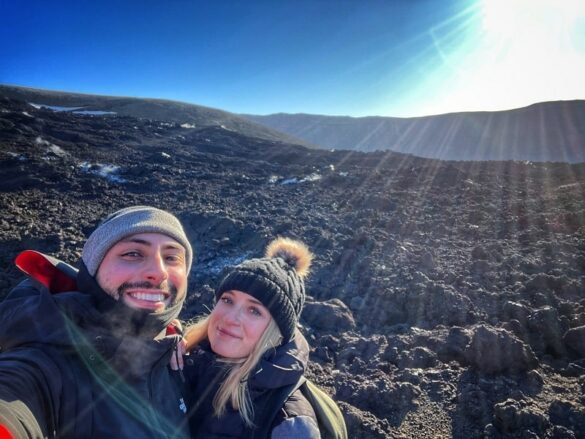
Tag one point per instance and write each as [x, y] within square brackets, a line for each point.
[277, 281]
[131, 221]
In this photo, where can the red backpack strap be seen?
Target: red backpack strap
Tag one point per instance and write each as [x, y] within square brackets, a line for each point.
[174, 328]
[54, 274]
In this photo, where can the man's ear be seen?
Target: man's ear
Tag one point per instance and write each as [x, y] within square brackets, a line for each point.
[54, 274]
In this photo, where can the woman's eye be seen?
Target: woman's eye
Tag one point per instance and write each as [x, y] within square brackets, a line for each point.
[255, 311]
[225, 299]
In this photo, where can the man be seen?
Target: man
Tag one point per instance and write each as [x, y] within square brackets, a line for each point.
[93, 362]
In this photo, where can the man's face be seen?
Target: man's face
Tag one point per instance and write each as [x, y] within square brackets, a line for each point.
[146, 271]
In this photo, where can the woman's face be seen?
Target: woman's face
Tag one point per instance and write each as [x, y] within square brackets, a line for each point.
[236, 324]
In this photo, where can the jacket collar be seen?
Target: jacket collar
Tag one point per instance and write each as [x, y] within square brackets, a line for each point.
[281, 366]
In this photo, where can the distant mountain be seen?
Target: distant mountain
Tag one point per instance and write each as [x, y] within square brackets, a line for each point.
[549, 131]
[195, 116]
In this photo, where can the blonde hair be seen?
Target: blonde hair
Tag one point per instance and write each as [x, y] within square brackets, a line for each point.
[235, 389]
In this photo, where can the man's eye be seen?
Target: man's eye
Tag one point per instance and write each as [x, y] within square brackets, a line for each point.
[175, 258]
[226, 299]
[131, 254]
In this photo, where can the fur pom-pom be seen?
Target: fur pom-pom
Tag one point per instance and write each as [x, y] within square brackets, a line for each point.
[294, 253]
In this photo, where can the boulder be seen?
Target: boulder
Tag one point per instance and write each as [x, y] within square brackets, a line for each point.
[474, 404]
[453, 349]
[379, 395]
[545, 326]
[511, 417]
[560, 432]
[569, 415]
[516, 311]
[494, 350]
[435, 304]
[575, 339]
[419, 357]
[362, 424]
[332, 315]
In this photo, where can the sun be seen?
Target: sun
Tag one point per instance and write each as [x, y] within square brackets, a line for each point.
[534, 19]
[533, 46]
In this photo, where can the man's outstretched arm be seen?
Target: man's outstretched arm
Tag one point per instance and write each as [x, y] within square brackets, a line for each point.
[24, 397]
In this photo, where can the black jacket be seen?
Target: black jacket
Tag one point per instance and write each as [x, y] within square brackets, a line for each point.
[278, 368]
[64, 373]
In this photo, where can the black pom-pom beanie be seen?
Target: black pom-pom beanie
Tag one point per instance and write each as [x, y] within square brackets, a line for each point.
[274, 281]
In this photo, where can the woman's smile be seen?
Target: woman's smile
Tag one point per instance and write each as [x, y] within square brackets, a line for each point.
[226, 333]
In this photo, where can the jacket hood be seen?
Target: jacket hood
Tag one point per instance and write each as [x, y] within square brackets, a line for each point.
[29, 314]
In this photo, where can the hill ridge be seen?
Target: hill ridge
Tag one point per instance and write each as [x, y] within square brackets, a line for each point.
[546, 131]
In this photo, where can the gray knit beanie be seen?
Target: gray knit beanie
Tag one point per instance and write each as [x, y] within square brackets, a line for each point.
[130, 221]
[277, 281]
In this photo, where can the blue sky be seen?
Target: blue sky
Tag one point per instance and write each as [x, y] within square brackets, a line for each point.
[364, 57]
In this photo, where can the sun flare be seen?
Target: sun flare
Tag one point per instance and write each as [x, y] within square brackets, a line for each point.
[503, 54]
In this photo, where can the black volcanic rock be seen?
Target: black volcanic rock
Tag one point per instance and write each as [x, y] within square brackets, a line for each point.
[331, 315]
[439, 290]
[512, 418]
[493, 350]
[575, 340]
[569, 415]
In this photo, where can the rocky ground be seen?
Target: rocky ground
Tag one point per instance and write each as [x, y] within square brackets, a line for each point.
[447, 298]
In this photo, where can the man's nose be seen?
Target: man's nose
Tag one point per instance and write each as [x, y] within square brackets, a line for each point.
[156, 269]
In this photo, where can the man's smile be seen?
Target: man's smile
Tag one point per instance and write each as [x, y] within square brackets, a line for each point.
[151, 297]
[146, 295]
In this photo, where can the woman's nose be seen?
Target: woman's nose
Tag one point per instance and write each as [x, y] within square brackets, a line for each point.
[234, 315]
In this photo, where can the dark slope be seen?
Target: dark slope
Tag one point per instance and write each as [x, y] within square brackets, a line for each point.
[155, 109]
[448, 299]
[549, 131]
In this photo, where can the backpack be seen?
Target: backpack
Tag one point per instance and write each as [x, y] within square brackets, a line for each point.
[329, 417]
[55, 275]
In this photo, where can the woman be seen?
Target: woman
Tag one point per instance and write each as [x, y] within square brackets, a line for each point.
[248, 348]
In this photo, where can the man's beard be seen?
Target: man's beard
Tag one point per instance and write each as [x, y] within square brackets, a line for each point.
[125, 320]
[119, 317]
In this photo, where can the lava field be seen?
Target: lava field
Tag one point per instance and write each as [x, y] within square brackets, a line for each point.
[447, 299]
